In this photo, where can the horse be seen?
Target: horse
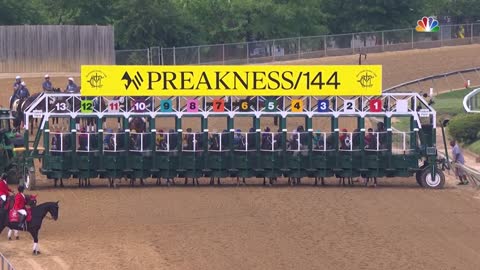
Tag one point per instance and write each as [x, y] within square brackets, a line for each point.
[34, 223]
[18, 107]
[139, 125]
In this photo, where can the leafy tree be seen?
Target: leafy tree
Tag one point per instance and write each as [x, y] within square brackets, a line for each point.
[18, 12]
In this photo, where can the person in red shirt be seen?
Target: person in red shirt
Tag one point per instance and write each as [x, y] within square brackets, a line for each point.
[4, 190]
[19, 205]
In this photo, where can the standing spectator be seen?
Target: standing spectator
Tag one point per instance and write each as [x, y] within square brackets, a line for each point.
[457, 157]
[47, 84]
[71, 86]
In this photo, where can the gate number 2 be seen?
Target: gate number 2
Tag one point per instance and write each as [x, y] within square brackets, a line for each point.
[349, 105]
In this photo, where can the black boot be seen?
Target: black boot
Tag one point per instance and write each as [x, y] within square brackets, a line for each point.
[21, 222]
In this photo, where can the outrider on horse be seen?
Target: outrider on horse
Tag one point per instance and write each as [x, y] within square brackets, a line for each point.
[34, 218]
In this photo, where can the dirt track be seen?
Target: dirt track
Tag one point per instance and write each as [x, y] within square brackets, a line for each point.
[396, 226]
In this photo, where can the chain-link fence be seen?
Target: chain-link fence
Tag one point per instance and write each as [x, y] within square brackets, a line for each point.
[132, 57]
[304, 47]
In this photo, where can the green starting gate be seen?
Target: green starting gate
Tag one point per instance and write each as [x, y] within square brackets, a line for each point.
[137, 148]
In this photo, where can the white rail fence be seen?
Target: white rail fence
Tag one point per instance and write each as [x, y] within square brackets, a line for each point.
[5, 264]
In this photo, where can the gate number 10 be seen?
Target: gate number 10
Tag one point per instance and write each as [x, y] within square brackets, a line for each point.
[139, 106]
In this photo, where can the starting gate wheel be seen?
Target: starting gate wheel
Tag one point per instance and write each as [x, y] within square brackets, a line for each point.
[429, 182]
[418, 174]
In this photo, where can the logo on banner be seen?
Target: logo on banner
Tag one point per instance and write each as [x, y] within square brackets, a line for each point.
[137, 80]
[366, 78]
[95, 78]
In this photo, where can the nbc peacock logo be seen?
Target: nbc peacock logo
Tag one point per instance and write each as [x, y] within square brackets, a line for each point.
[427, 24]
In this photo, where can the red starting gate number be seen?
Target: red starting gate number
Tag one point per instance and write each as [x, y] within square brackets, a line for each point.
[218, 105]
[375, 105]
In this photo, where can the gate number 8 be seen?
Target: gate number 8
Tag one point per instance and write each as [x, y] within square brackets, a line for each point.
[192, 105]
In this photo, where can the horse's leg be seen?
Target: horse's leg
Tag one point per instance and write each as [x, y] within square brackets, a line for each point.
[61, 182]
[243, 180]
[15, 232]
[36, 250]
[272, 180]
[9, 234]
[212, 180]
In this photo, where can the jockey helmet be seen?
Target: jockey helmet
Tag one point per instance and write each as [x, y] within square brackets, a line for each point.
[23, 84]
[71, 79]
[17, 78]
[21, 188]
[47, 76]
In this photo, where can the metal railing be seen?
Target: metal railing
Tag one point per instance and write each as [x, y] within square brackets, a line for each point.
[6, 265]
[450, 81]
[302, 47]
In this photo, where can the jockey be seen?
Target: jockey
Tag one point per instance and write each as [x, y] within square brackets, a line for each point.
[71, 86]
[47, 84]
[4, 190]
[19, 205]
[23, 91]
[16, 85]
